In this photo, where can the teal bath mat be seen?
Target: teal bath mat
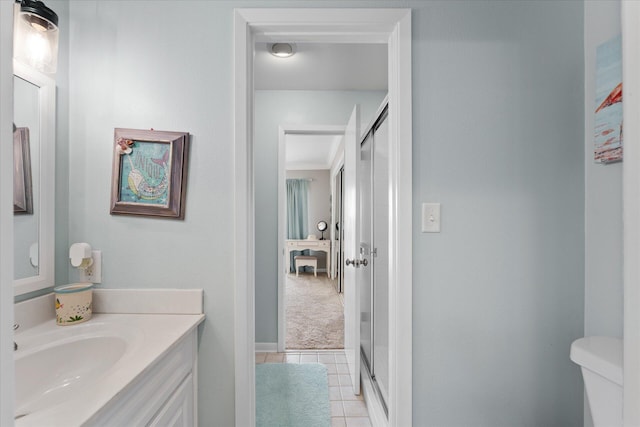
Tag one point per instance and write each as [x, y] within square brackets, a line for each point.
[292, 395]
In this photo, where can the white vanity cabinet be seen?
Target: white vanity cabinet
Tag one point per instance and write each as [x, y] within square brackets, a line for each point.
[179, 410]
[165, 394]
[134, 363]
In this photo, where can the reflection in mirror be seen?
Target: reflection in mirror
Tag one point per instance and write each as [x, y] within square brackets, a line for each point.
[34, 173]
[22, 190]
[26, 140]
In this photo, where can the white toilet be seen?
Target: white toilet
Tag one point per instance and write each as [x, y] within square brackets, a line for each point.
[600, 359]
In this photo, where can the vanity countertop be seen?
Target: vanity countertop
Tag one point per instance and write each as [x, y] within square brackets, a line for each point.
[88, 364]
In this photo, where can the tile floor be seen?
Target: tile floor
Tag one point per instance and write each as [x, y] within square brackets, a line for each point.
[347, 410]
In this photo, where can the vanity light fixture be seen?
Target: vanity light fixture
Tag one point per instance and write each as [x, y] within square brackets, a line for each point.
[35, 36]
[282, 50]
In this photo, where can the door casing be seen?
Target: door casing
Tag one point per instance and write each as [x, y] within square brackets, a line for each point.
[391, 26]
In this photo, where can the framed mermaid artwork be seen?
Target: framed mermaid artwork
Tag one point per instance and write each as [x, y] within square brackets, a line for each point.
[149, 173]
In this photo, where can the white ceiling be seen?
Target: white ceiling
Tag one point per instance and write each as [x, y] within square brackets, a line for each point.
[310, 152]
[320, 67]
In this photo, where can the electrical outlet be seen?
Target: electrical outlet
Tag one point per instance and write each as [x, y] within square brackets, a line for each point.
[93, 273]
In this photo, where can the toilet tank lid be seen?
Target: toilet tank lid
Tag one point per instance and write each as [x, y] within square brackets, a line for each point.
[602, 355]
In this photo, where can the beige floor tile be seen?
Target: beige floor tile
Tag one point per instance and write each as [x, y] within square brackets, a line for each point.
[275, 357]
[347, 393]
[333, 380]
[292, 358]
[342, 368]
[334, 393]
[326, 358]
[355, 409]
[261, 357]
[341, 358]
[331, 369]
[336, 409]
[358, 422]
[344, 379]
[338, 422]
[308, 358]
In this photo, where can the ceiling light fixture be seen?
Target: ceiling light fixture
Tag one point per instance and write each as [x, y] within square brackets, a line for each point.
[283, 50]
[35, 37]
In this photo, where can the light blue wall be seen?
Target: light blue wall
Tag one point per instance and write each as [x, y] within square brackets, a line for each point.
[61, 7]
[291, 107]
[168, 66]
[498, 140]
[603, 200]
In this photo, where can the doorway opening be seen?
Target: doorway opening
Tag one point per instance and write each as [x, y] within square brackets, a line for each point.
[310, 305]
[391, 26]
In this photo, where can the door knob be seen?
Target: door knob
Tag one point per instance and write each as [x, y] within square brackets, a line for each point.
[357, 262]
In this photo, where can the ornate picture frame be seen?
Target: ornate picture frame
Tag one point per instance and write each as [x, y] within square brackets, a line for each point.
[149, 173]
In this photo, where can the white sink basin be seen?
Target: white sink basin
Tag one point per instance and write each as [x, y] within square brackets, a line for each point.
[54, 367]
[66, 375]
[48, 375]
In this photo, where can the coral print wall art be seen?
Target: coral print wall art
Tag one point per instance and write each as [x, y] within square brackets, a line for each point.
[149, 173]
[608, 105]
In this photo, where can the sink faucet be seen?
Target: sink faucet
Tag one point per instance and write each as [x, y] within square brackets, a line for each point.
[15, 345]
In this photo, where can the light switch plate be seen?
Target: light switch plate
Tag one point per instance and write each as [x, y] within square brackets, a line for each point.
[431, 217]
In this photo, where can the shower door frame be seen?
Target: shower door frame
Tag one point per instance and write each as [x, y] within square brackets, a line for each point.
[370, 363]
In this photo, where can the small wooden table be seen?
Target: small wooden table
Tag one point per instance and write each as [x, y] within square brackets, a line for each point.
[308, 244]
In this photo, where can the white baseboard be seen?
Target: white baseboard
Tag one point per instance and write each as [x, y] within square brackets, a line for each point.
[266, 347]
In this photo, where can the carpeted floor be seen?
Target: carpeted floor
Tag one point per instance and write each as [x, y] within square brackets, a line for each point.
[292, 395]
[314, 313]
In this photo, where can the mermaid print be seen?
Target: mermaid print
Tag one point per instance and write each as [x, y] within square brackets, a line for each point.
[141, 187]
[145, 171]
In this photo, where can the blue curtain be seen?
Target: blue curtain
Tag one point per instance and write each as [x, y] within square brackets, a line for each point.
[297, 208]
[297, 212]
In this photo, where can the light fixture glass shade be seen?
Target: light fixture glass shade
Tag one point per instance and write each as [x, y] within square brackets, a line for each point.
[35, 36]
[282, 50]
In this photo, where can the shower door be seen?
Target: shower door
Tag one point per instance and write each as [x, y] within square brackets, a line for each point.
[374, 233]
[366, 239]
[380, 293]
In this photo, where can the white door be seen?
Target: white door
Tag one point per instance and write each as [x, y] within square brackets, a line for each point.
[351, 248]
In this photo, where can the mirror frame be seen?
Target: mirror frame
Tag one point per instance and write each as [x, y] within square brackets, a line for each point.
[46, 237]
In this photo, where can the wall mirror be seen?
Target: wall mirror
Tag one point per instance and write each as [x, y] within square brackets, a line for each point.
[34, 172]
